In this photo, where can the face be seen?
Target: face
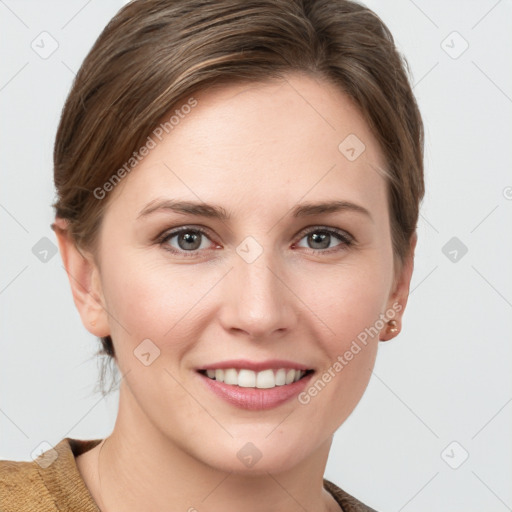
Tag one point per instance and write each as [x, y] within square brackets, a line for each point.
[271, 279]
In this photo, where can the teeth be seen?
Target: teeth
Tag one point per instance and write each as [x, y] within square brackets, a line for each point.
[265, 379]
[249, 379]
[230, 376]
[281, 377]
[246, 379]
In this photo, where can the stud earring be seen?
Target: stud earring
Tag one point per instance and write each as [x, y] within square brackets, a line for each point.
[93, 322]
[392, 326]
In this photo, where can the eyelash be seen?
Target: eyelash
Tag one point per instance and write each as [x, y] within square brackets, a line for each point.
[344, 237]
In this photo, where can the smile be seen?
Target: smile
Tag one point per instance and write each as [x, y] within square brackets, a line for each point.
[264, 379]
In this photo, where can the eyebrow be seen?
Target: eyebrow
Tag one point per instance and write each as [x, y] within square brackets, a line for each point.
[218, 212]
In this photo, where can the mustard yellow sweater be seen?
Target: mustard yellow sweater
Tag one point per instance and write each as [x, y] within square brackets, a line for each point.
[52, 483]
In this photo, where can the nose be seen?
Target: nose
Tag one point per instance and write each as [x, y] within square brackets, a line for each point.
[257, 298]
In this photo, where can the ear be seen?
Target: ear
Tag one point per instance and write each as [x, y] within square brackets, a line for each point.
[400, 294]
[85, 281]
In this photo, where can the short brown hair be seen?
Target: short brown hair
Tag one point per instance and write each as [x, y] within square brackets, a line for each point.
[155, 53]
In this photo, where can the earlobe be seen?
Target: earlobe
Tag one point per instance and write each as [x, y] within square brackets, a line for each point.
[400, 294]
[84, 278]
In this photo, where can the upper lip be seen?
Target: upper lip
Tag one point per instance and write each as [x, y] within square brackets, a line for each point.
[255, 366]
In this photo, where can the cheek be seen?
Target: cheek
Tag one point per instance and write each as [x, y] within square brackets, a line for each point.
[349, 302]
[156, 301]
[348, 297]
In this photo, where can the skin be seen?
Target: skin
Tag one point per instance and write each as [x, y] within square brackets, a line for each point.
[257, 150]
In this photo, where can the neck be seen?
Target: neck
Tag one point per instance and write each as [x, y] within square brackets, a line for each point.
[141, 469]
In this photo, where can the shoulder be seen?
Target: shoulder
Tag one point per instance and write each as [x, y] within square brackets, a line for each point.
[49, 483]
[22, 488]
[347, 502]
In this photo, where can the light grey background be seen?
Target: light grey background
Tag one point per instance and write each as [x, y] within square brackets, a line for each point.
[446, 378]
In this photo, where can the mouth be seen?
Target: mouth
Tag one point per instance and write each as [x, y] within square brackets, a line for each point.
[255, 385]
[264, 379]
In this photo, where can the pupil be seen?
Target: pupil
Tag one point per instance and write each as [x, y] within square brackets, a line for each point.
[321, 239]
[189, 238]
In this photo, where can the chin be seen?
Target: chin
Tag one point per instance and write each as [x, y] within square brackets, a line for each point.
[255, 454]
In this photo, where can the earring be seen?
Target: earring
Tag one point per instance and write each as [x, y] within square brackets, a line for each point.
[392, 326]
[93, 322]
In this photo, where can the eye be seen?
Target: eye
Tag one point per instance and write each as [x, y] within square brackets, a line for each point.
[188, 240]
[320, 239]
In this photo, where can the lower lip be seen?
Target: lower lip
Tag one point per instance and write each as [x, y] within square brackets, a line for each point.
[254, 398]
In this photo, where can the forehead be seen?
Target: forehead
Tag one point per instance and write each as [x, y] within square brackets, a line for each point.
[260, 141]
[294, 115]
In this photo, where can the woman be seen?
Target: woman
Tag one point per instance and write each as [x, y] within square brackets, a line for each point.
[238, 191]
